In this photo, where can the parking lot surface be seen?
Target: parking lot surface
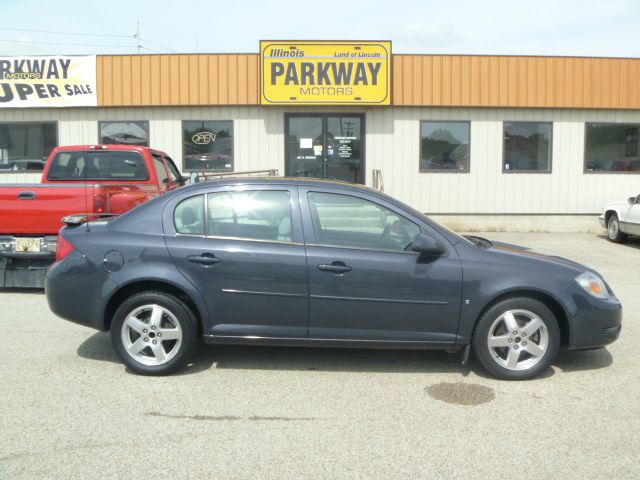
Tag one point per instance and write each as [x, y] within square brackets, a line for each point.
[69, 409]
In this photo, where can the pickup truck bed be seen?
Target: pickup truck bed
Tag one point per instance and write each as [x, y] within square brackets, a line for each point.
[97, 179]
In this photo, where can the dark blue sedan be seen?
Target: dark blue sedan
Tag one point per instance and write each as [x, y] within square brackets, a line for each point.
[307, 262]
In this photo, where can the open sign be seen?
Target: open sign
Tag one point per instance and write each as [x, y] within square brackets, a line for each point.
[203, 138]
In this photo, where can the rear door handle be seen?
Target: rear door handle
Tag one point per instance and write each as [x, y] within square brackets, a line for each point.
[335, 267]
[27, 195]
[204, 259]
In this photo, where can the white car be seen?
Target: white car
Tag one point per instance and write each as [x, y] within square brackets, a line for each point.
[621, 219]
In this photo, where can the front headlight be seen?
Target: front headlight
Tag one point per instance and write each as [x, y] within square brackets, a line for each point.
[593, 285]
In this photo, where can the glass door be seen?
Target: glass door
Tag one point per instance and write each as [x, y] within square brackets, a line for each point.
[325, 146]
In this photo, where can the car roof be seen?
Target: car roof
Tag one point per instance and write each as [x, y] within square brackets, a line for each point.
[297, 181]
[101, 147]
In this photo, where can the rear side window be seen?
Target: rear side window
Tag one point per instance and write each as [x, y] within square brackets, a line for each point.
[254, 215]
[98, 166]
[189, 216]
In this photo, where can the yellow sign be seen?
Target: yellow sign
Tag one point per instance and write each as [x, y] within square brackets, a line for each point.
[325, 73]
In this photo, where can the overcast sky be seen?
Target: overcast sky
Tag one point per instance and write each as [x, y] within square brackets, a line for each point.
[541, 27]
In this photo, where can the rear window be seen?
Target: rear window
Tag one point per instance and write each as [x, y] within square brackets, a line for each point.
[98, 166]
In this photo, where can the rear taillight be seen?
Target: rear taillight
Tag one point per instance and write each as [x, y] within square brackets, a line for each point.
[65, 247]
[99, 203]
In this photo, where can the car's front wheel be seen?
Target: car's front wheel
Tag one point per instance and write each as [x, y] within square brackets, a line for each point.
[517, 338]
[613, 230]
[154, 333]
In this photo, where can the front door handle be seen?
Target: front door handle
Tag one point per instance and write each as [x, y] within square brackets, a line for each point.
[27, 195]
[335, 267]
[204, 259]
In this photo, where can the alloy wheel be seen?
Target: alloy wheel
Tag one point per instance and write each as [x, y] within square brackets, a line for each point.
[518, 339]
[151, 335]
[613, 227]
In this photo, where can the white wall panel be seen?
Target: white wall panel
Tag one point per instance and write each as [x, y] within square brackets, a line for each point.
[485, 189]
[392, 145]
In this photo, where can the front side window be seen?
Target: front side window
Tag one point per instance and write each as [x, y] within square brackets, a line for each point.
[343, 220]
[612, 147]
[161, 170]
[173, 172]
[527, 147]
[208, 145]
[188, 216]
[98, 165]
[252, 214]
[444, 146]
[26, 146]
[125, 133]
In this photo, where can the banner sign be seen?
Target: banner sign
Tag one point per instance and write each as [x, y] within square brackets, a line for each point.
[325, 73]
[43, 82]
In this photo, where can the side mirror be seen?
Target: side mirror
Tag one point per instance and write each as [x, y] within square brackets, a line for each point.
[424, 244]
[632, 200]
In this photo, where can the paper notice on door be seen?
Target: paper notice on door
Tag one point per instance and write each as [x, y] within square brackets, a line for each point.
[317, 149]
[306, 142]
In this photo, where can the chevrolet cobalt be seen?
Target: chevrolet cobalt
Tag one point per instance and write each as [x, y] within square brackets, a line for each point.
[301, 262]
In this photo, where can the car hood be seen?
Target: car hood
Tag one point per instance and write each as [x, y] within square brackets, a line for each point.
[616, 204]
[526, 252]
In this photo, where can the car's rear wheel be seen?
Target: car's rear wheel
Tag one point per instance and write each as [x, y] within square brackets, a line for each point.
[517, 338]
[154, 333]
[613, 230]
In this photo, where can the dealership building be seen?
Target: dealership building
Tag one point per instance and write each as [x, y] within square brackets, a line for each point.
[479, 142]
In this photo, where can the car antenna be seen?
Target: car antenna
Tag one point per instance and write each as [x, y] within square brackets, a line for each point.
[86, 162]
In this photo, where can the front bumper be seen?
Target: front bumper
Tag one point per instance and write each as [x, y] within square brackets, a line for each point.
[596, 326]
[602, 222]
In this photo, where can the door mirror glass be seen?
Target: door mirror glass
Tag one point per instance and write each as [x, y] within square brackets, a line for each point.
[423, 243]
[632, 200]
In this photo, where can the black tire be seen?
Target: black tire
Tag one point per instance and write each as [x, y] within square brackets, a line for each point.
[173, 310]
[613, 230]
[495, 360]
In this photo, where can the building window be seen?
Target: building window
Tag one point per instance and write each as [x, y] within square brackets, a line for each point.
[527, 147]
[208, 145]
[444, 147]
[611, 147]
[125, 133]
[26, 146]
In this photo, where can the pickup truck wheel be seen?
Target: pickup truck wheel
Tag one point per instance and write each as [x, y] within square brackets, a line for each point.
[154, 333]
[613, 230]
[516, 339]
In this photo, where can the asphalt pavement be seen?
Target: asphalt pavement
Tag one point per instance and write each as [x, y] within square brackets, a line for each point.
[69, 409]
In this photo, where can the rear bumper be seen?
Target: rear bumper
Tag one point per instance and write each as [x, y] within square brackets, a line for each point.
[602, 222]
[24, 270]
[69, 293]
[596, 326]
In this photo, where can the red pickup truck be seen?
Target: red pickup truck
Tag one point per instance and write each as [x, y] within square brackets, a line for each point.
[83, 179]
